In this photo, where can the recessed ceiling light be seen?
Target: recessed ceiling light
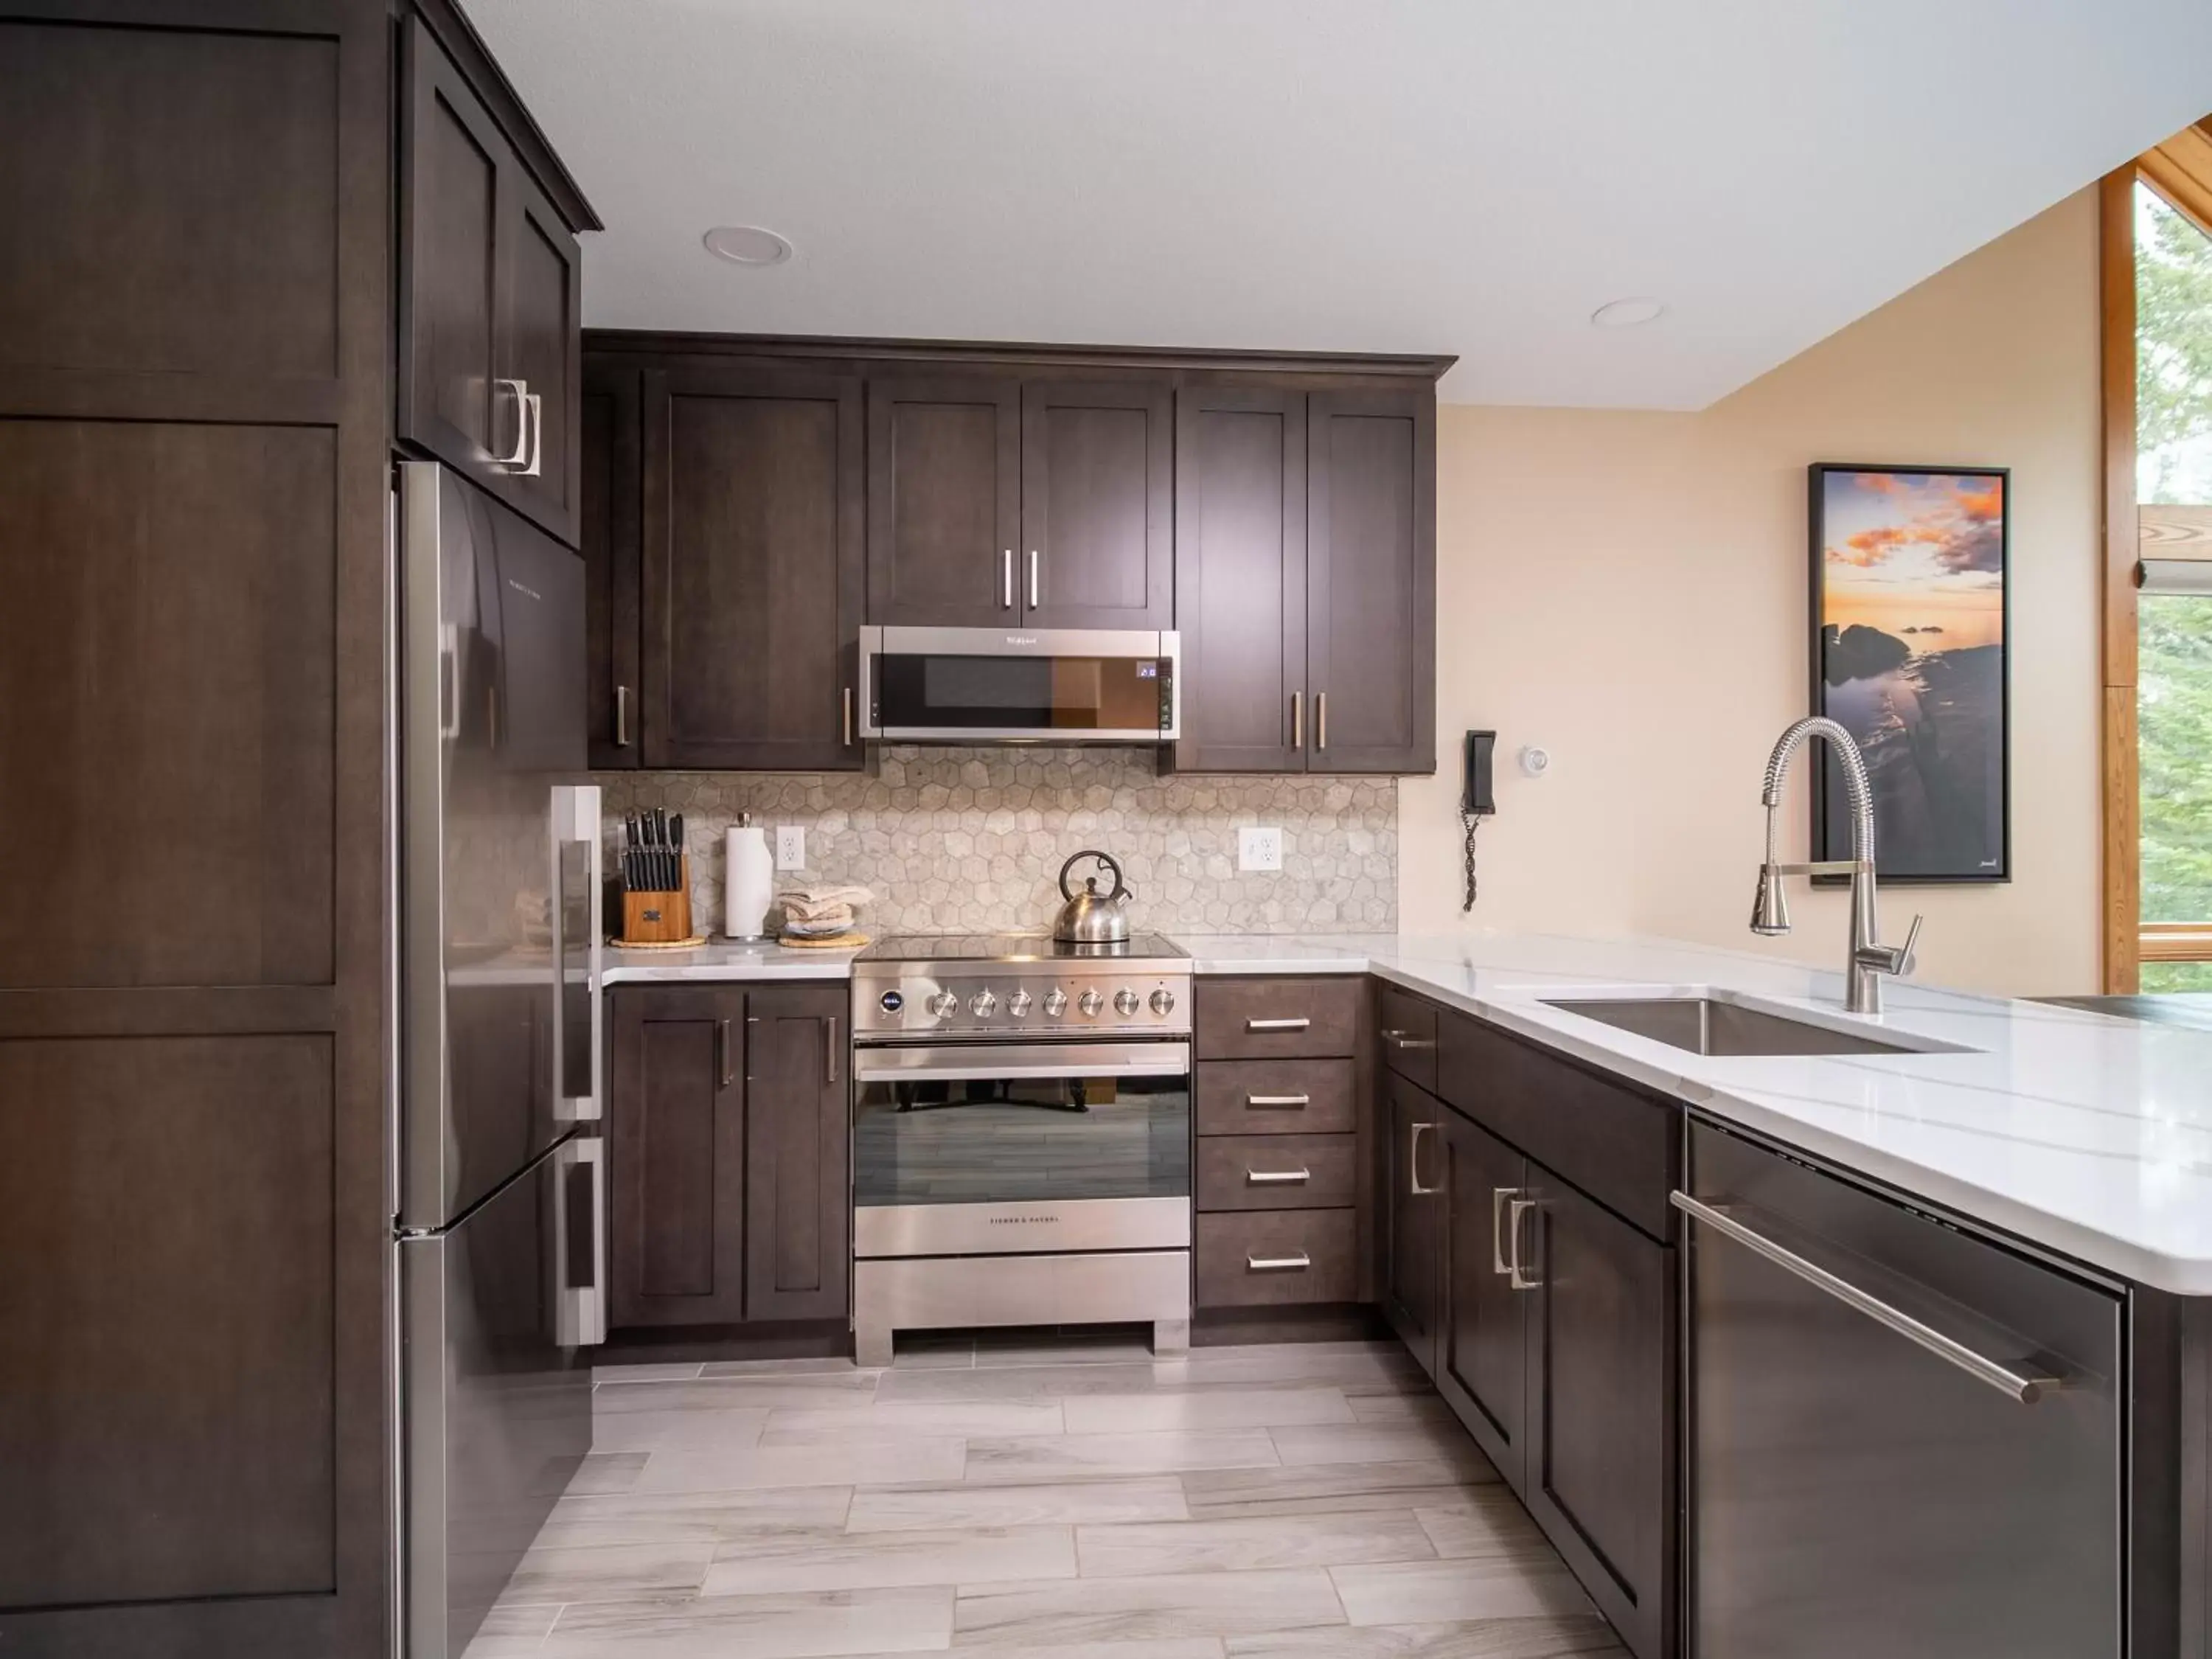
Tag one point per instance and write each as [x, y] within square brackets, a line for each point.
[1628, 313]
[747, 245]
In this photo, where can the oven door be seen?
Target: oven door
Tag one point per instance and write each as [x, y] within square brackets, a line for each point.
[1046, 685]
[964, 1149]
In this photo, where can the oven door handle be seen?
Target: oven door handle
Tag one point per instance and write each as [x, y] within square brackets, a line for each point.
[981, 1062]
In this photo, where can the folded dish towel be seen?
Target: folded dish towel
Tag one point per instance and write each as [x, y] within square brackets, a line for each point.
[822, 910]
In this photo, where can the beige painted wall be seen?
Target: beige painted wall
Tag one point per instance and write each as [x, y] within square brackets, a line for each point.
[1629, 591]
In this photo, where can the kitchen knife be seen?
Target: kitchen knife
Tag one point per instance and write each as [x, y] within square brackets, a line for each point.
[676, 852]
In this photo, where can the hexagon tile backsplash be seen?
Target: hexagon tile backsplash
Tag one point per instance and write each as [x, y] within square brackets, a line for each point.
[972, 840]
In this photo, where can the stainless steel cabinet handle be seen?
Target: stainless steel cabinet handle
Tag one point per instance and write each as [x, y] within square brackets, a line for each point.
[1278, 1264]
[622, 717]
[1033, 579]
[1498, 1264]
[1321, 720]
[722, 1079]
[536, 405]
[1407, 1040]
[829, 1049]
[1277, 1177]
[1277, 1103]
[1413, 1161]
[1006, 580]
[848, 717]
[1297, 719]
[1297, 1024]
[520, 389]
[2027, 1388]
[1518, 1276]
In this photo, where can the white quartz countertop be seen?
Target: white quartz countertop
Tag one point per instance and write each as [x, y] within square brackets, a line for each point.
[2088, 1134]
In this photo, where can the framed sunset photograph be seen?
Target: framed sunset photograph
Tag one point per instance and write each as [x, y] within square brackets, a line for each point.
[1910, 637]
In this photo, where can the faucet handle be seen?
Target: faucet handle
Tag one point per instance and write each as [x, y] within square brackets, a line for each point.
[1897, 959]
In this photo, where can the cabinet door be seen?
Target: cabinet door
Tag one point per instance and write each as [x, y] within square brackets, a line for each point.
[542, 351]
[452, 274]
[1240, 578]
[944, 502]
[1097, 500]
[1371, 580]
[677, 1125]
[1600, 1383]
[1482, 1334]
[797, 1234]
[1412, 1165]
[608, 502]
[752, 569]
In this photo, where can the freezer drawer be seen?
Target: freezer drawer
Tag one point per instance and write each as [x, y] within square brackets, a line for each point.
[1904, 1438]
[496, 1407]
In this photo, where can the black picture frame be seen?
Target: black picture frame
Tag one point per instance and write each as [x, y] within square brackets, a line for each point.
[1951, 811]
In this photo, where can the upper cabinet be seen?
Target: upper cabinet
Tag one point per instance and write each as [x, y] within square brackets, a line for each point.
[490, 312]
[750, 502]
[995, 500]
[1305, 576]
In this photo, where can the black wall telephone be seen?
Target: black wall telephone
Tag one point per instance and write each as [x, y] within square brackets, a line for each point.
[1475, 801]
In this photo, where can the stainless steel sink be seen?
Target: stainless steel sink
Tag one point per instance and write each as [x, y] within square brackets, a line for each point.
[1708, 1025]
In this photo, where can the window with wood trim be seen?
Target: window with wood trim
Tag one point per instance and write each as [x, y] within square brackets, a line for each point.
[2158, 229]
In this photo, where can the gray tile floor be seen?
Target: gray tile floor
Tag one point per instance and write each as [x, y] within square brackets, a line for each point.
[1065, 1500]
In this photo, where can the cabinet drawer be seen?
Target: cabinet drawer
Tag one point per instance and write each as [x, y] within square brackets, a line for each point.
[1407, 1031]
[1268, 1018]
[1305, 1255]
[1622, 1147]
[1276, 1096]
[1257, 1172]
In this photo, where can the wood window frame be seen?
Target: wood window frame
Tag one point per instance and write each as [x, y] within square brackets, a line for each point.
[2180, 170]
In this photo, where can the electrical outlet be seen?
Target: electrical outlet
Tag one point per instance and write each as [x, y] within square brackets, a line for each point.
[790, 847]
[1258, 849]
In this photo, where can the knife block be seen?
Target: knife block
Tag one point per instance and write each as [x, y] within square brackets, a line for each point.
[658, 918]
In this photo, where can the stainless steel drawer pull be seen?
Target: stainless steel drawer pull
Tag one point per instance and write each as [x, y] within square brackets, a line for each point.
[1498, 1264]
[622, 717]
[1297, 1024]
[1006, 580]
[848, 717]
[520, 458]
[1277, 1177]
[1035, 601]
[1297, 719]
[1413, 1161]
[1277, 1103]
[1407, 1040]
[1517, 1278]
[2026, 1388]
[1278, 1264]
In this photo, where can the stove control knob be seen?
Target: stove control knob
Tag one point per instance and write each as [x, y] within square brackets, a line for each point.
[1018, 1004]
[1125, 1002]
[1091, 1002]
[1056, 1002]
[983, 1005]
[1164, 1001]
[943, 1003]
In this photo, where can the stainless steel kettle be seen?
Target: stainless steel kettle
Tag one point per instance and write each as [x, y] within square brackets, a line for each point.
[1091, 917]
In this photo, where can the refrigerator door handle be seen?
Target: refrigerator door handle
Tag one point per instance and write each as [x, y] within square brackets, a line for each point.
[581, 1318]
[575, 826]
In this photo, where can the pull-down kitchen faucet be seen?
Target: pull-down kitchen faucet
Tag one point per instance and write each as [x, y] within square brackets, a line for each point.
[1770, 913]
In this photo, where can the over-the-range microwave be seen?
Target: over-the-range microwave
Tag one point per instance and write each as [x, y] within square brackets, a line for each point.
[988, 685]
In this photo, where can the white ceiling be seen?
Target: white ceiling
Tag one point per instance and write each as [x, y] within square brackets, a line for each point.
[1467, 176]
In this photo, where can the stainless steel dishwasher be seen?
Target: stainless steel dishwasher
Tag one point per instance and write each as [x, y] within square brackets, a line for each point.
[1902, 1438]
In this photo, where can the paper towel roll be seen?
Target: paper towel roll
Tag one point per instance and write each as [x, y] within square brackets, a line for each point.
[748, 883]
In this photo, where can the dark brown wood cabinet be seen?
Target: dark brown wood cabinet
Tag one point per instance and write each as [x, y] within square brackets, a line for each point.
[1482, 1345]
[1098, 500]
[1305, 562]
[727, 1132]
[611, 497]
[490, 308]
[194, 375]
[945, 500]
[1412, 1216]
[752, 568]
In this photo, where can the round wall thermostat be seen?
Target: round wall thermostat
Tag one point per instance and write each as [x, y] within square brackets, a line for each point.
[1535, 762]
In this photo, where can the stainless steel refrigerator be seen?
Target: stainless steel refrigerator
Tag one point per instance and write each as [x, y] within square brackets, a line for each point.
[500, 1192]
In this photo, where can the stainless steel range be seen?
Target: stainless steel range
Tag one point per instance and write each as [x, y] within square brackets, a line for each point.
[1021, 1136]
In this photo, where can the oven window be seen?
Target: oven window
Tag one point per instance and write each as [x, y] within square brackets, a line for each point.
[1022, 694]
[985, 1142]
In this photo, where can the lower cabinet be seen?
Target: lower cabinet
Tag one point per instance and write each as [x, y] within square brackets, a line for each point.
[728, 1130]
[1548, 1321]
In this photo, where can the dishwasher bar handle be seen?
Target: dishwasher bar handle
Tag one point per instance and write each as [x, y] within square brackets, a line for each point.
[2025, 1389]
